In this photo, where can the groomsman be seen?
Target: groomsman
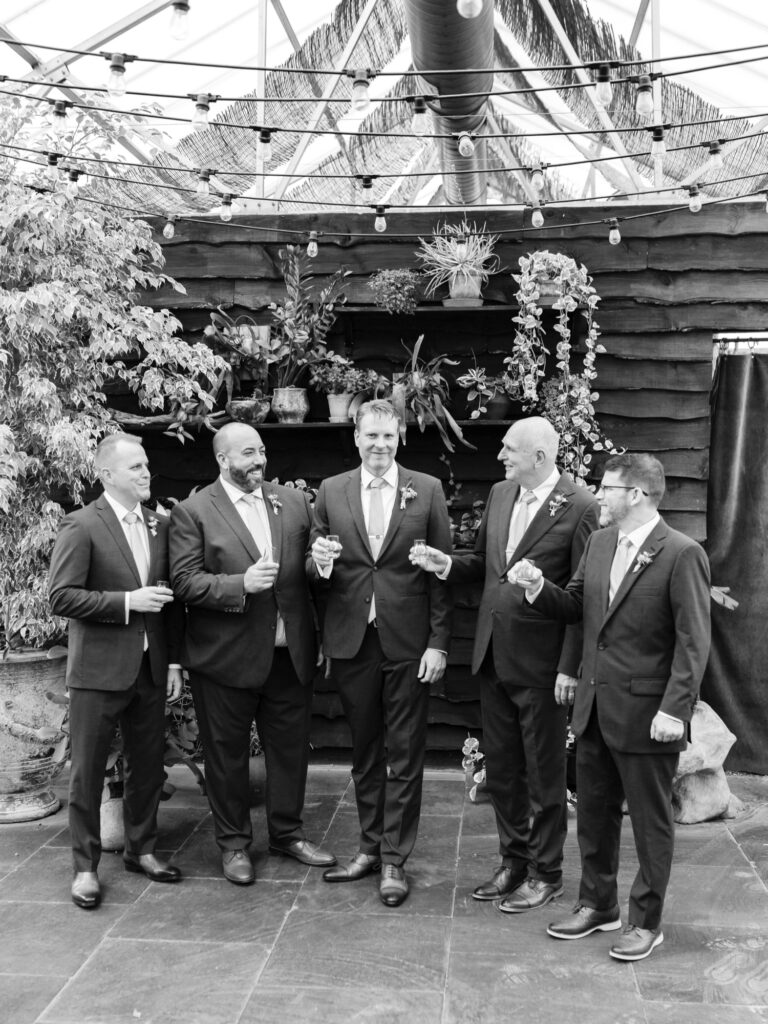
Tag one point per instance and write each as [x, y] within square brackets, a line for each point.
[642, 590]
[108, 575]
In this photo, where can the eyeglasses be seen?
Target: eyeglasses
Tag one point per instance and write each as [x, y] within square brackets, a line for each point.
[621, 487]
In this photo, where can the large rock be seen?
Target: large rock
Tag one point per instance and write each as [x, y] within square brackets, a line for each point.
[700, 789]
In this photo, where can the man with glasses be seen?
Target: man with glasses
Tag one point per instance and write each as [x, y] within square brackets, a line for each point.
[642, 590]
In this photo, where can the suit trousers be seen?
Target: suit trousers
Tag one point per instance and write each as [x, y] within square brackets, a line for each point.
[524, 734]
[386, 706]
[605, 776]
[282, 708]
[94, 715]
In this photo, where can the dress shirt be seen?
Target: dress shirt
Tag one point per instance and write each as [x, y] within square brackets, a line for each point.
[236, 496]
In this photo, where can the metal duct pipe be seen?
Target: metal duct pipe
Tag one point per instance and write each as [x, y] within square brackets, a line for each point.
[442, 39]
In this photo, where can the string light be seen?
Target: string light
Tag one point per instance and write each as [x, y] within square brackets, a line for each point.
[73, 185]
[644, 97]
[366, 180]
[380, 223]
[204, 182]
[694, 199]
[360, 96]
[179, 27]
[466, 145]
[603, 87]
[715, 159]
[537, 217]
[170, 228]
[537, 177]
[469, 8]
[658, 145]
[116, 80]
[202, 106]
[312, 245]
[226, 209]
[420, 120]
[766, 202]
[52, 166]
[59, 118]
[265, 144]
[614, 235]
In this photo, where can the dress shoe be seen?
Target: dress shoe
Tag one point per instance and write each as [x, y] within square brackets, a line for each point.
[585, 920]
[636, 943]
[86, 891]
[504, 882]
[149, 865]
[531, 895]
[305, 851]
[360, 865]
[393, 887]
[237, 867]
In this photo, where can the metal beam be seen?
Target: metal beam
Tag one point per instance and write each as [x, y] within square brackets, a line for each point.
[639, 21]
[511, 158]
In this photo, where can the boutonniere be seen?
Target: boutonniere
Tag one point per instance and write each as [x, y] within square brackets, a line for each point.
[152, 526]
[556, 504]
[643, 559]
[274, 502]
[407, 494]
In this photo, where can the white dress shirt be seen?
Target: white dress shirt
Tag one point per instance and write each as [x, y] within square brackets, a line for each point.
[121, 512]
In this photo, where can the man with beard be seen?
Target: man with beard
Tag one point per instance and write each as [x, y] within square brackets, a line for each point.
[237, 560]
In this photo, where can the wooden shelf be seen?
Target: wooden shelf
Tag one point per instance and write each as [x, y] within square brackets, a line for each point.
[428, 308]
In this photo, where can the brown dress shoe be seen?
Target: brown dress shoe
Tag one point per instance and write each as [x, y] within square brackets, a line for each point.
[86, 891]
[305, 851]
[531, 895]
[636, 943]
[505, 880]
[148, 864]
[360, 865]
[237, 867]
[393, 888]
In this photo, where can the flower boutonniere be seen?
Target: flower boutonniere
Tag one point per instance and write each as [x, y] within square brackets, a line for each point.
[274, 502]
[152, 526]
[556, 504]
[643, 559]
[407, 494]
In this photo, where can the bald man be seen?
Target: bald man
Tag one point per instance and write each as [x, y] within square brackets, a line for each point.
[527, 665]
[238, 561]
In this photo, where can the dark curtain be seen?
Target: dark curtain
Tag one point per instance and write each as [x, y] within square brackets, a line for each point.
[736, 683]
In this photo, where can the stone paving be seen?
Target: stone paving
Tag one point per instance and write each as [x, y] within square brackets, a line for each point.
[294, 949]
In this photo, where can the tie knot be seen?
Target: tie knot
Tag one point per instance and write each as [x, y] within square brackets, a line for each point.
[131, 518]
[624, 543]
[528, 497]
[250, 498]
[378, 481]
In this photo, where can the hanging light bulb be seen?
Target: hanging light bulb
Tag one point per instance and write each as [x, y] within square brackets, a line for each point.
[466, 145]
[52, 166]
[170, 227]
[380, 224]
[265, 144]
[658, 145]
[715, 155]
[537, 217]
[203, 183]
[694, 199]
[59, 118]
[360, 95]
[200, 116]
[420, 121]
[603, 87]
[73, 185]
[312, 245]
[614, 235]
[766, 202]
[469, 8]
[225, 210]
[116, 80]
[366, 180]
[537, 178]
[179, 27]
[644, 97]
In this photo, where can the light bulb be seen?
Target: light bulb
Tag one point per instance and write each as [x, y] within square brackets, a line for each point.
[694, 199]
[380, 224]
[466, 145]
[179, 27]
[52, 167]
[360, 97]
[614, 235]
[537, 218]
[73, 185]
[644, 98]
[116, 81]
[265, 144]
[766, 202]
[658, 146]
[312, 245]
[200, 116]
[203, 183]
[537, 178]
[469, 8]
[603, 88]
[59, 118]
[170, 228]
[715, 156]
[225, 211]
[420, 120]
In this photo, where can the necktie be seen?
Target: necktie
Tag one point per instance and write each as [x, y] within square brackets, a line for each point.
[254, 518]
[376, 524]
[619, 566]
[137, 545]
[518, 524]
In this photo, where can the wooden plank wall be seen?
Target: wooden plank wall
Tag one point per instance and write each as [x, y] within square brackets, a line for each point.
[672, 281]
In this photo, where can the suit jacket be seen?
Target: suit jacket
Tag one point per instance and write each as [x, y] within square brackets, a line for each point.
[528, 650]
[230, 635]
[413, 608]
[91, 569]
[646, 652]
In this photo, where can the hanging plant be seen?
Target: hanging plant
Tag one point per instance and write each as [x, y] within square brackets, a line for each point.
[566, 399]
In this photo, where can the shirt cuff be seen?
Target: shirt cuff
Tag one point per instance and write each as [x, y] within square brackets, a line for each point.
[671, 717]
[175, 666]
[127, 607]
[531, 595]
[446, 571]
[324, 570]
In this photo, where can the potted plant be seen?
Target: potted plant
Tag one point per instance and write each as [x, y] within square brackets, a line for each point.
[300, 327]
[342, 382]
[492, 392]
[396, 291]
[461, 256]
[246, 346]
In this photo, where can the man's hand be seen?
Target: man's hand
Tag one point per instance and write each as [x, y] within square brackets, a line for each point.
[565, 688]
[173, 685]
[665, 729]
[429, 559]
[526, 575]
[149, 599]
[324, 551]
[260, 576]
[432, 665]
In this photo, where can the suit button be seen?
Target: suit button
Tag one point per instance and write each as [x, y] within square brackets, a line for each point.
[601, 646]
[375, 568]
[591, 682]
[502, 579]
[367, 600]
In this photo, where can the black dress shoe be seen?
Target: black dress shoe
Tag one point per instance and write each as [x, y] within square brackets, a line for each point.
[237, 868]
[148, 864]
[504, 882]
[393, 887]
[583, 921]
[305, 851]
[86, 891]
[532, 894]
[360, 865]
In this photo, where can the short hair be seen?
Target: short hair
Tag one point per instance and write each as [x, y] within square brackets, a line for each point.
[640, 470]
[105, 449]
[538, 432]
[377, 407]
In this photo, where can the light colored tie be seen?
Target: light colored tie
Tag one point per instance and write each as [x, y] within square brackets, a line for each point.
[376, 524]
[259, 529]
[619, 566]
[519, 521]
[138, 545]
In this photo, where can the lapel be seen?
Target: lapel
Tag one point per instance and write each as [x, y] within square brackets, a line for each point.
[506, 504]
[223, 505]
[404, 478]
[275, 519]
[355, 503]
[148, 514]
[112, 523]
[653, 544]
[543, 521]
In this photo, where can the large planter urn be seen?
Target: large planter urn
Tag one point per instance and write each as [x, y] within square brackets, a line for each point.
[464, 288]
[33, 743]
[290, 405]
[249, 410]
[338, 407]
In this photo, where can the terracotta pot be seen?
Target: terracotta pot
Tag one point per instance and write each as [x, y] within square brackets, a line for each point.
[249, 410]
[33, 745]
[464, 290]
[338, 407]
[290, 405]
[498, 407]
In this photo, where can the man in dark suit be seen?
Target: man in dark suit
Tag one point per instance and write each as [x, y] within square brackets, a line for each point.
[642, 590]
[238, 552]
[108, 575]
[527, 664]
[386, 631]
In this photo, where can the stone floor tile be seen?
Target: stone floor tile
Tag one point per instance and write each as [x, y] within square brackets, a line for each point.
[20, 841]
[716, 896]
[47, 876]
[45, 939]
[443, 793]
[468, 1004]
[702, 1013]
[23, 997]
[342, 1006]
